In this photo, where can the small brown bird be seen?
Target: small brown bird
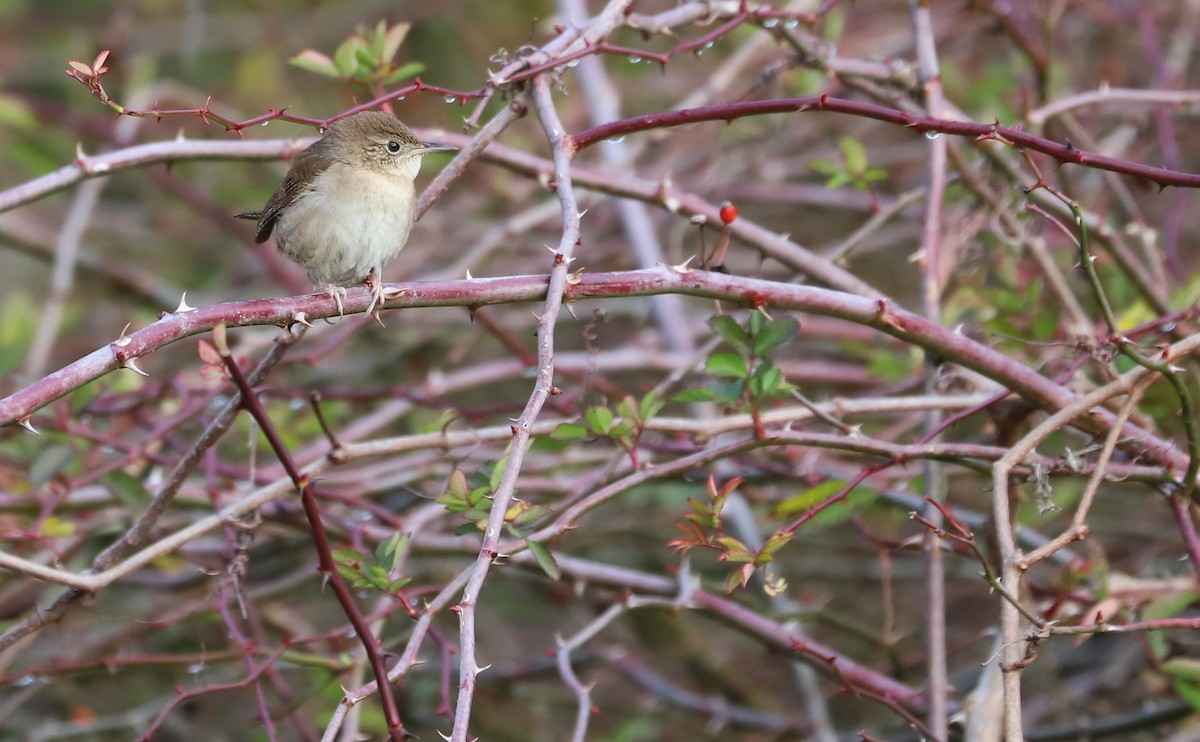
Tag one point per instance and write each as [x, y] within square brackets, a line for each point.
[348, 202]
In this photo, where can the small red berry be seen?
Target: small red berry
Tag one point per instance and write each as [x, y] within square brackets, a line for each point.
[728, 213]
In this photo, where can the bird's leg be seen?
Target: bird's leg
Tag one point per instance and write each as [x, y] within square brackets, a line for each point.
[374, 282]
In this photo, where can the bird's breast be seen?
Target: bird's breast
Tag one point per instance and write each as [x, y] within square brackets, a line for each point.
[347, 222]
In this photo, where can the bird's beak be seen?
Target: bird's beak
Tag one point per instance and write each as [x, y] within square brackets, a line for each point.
[427, 147]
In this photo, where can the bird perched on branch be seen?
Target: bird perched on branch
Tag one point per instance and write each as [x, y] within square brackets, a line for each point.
[348, 202]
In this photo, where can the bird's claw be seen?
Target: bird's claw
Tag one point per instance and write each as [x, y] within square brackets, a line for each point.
[338, 294]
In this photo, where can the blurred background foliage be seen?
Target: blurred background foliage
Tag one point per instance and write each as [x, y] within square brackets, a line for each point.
[160, 231]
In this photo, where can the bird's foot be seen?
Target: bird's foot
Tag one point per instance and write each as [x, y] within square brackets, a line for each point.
[338, 294]
[374, 282]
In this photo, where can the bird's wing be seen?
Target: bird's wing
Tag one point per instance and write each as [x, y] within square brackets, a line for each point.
[306, 165]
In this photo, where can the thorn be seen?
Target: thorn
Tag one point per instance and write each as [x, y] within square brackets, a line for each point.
[122, 341]
[469, 276]
[583, 213]
[479, 670]
[391, 292]
[28, 425]
[183, 307]
[301, 318]
[131, 364]
[683, 267]
[576, 278]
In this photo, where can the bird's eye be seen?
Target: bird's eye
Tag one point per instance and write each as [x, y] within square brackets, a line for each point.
[393, 146]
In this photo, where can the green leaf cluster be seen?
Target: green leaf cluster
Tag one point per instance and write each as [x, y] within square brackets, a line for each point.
[625, 428]
[704, 528]
[747, 373]
[374, 572]
[471, 494]
[367, 57]
[851, 169]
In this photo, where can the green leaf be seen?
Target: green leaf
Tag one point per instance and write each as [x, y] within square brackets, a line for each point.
[498, 473]
[599, 419]
[387, 554]
[476, 496]
[1183, 668]
[651, 405]
[55, 527]
[755, 323]
[544, 444]
[347, 556]
[766, 381]
[730, 392]
[774, 334]
[467, 529]
[695, 395]
[732, 333]
[777, 541]
[314, 61]
[412, 69]
[458, 484]
[345, 59]
[854, 154]
[627, 410]
[808, 499]
[393, 39]
[366, 61]
[544, 559]
[49, 464]
[623, 432]
[569, 432]
[127, 489]
[1190, 693]
[827, 168]
[726, 364]
[1167, 606]
[377, 576]
[376, 37]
